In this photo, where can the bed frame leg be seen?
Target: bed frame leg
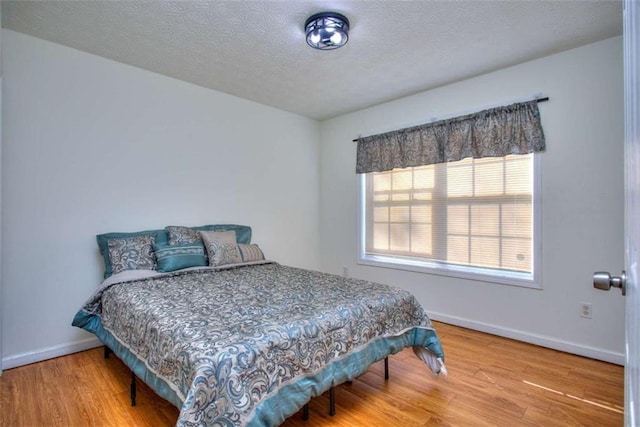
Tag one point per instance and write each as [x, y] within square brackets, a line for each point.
[332, 401]
[133, 389]
[386, 368]
[107, 352]
[305, 412]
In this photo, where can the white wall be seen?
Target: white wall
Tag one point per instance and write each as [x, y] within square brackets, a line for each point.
[582, 193]
[92, 146]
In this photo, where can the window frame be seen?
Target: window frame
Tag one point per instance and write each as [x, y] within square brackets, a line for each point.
[482, 274]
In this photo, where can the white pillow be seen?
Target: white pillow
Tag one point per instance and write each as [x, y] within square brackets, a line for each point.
[222, 247]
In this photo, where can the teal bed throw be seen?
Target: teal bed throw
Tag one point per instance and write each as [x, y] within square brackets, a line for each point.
[249, 345]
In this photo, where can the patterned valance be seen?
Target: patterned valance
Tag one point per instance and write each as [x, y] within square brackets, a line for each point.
[497, 132]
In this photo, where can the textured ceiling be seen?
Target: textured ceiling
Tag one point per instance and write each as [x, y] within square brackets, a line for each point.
[256, 49]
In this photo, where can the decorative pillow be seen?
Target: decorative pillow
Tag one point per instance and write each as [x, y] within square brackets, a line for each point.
[250, 252]
[131, 253]
[221, 247]
[179, 235]
[243, 232]
[159, 236]
[176, 257]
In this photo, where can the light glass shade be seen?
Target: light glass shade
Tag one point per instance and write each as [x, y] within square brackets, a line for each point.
[327, 30]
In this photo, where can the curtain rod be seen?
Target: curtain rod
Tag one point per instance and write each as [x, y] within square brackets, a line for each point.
[546, 98]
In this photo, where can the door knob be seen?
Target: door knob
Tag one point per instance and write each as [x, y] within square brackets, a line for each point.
[604, 281]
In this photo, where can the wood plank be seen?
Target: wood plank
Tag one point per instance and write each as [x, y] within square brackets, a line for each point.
[492, 381]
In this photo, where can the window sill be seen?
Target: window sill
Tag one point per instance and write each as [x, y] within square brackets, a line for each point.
[462, 272]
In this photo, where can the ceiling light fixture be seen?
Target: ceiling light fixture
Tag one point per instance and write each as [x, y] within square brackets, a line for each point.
[327, 30]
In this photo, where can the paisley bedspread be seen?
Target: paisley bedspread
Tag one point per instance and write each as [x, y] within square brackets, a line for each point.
[251, 345]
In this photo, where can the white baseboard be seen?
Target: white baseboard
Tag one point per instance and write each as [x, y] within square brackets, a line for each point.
[544, 341]
[541, 340]
[16, 360]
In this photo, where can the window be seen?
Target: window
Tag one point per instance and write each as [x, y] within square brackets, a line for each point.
[475, 218]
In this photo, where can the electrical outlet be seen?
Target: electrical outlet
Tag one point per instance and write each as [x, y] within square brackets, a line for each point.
[586, 310]
[345, 271]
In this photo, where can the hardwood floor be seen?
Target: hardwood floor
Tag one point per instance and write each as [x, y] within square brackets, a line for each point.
[492, 381]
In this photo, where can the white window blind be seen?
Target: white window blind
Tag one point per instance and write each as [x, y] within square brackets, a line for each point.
[474, 216]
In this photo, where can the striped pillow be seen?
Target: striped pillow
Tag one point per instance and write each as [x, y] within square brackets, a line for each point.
[250, 252]
[176, 257]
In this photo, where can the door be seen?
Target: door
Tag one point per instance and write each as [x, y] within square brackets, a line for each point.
[631, 37]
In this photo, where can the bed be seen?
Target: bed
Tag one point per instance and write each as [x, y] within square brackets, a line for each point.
[247, 342]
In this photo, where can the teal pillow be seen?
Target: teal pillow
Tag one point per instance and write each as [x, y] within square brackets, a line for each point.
[159, 236]
[176, 257]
